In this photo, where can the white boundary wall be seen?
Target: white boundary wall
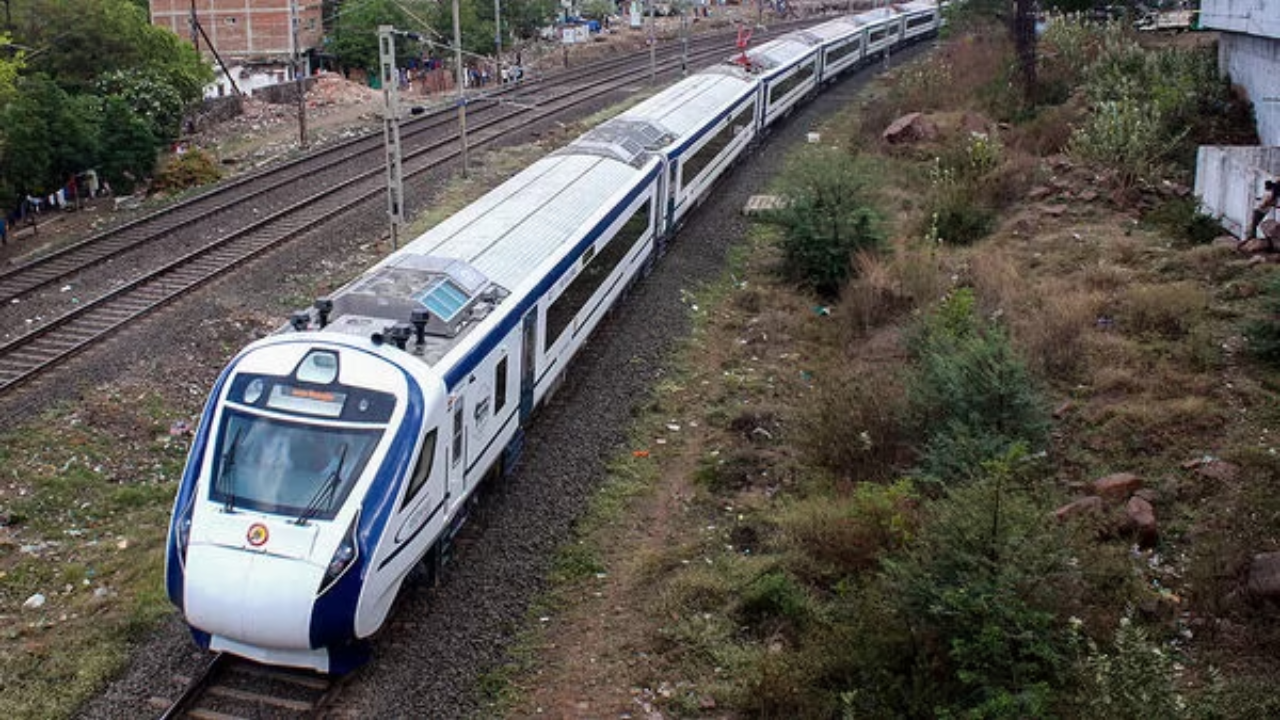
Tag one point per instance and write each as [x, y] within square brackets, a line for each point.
[1229, 181]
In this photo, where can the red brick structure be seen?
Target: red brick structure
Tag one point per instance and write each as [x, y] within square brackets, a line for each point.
[243, 30]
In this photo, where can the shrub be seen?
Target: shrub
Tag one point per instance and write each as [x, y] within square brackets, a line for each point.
[957, 213]
[1182, 219]
[969, 397]
[983, 590]
[1263, 333]
[1145, 104]
[182, 172]
[1134, 680]
[773, 599]
[826, 220]
[1127, 135]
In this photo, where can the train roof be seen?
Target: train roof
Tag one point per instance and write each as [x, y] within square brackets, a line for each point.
[777, 53]
[877, 15]
[455, 274]
[832, 31]
[666, 119]
[915, 7]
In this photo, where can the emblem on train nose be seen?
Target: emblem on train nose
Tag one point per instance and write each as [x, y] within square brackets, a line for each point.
[257, 535]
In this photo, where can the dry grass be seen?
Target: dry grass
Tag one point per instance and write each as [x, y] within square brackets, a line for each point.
[1170, 310]
[884, 287]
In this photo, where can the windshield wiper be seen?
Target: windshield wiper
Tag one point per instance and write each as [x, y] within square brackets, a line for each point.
[324, 493]
[226, 480]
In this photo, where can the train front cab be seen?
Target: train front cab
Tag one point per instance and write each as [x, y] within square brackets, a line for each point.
[302, 505]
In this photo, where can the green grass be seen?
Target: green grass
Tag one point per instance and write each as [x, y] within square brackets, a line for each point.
[88, 512]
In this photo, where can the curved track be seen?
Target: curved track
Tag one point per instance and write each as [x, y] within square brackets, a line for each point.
[289, 200]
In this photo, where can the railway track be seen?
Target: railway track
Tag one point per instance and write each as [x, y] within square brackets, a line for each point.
[231, 688]
[285, 206]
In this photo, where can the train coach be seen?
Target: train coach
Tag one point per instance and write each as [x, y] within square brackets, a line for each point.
[338, 453]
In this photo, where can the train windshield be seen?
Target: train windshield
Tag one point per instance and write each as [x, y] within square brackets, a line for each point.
[288, 468]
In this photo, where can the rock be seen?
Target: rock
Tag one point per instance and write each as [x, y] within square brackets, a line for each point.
[1264, 575]
[1091, 505]
[1140, 519]
[1148, 494]
[35, 602]
[912, 127]
[1062, 410]
[1089, 195]
[1254, 245]
[1039, 192]
[1220, 470]
[1053, 210]
[1117, 486]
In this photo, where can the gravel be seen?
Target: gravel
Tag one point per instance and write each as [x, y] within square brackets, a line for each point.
[442, 640]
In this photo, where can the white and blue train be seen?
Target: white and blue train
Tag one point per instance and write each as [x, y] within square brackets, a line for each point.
[336, 454]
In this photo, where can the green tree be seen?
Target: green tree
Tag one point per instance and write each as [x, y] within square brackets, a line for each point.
[128, 154]
[79, 41]
[45, 134]
[354, 39]
[11, 62]
[149, 96]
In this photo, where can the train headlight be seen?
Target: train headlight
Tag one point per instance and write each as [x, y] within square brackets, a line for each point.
[182, 531]
[343, 558]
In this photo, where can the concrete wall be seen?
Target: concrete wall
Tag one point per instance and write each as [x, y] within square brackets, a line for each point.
[1249, 51]
[1229, 181]
[1251, 17]
[1254, 63]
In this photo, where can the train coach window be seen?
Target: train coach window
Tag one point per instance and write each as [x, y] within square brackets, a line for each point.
[706, 154]
[565, 308]
[801, 75]
[844, 50]
[877, 35]
[500, 386]
[422, 470]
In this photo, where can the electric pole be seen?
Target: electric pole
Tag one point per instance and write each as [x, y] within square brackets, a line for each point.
[391, 129]
[462, 94]
[298, 76]
[653, 43]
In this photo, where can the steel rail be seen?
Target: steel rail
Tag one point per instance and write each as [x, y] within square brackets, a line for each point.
[47, 269]
[64, 336]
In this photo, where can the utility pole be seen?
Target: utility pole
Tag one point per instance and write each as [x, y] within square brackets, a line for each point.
[653, 43]
[298, 76]
[391, 129]
[195, 26]
[462, 94]
[497, 39]
[684, 41]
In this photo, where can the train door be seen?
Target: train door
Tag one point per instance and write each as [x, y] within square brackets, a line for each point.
[457, 470]
[528, 355]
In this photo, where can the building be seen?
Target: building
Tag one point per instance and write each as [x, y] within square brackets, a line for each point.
[1229, 180]
[254, 38]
